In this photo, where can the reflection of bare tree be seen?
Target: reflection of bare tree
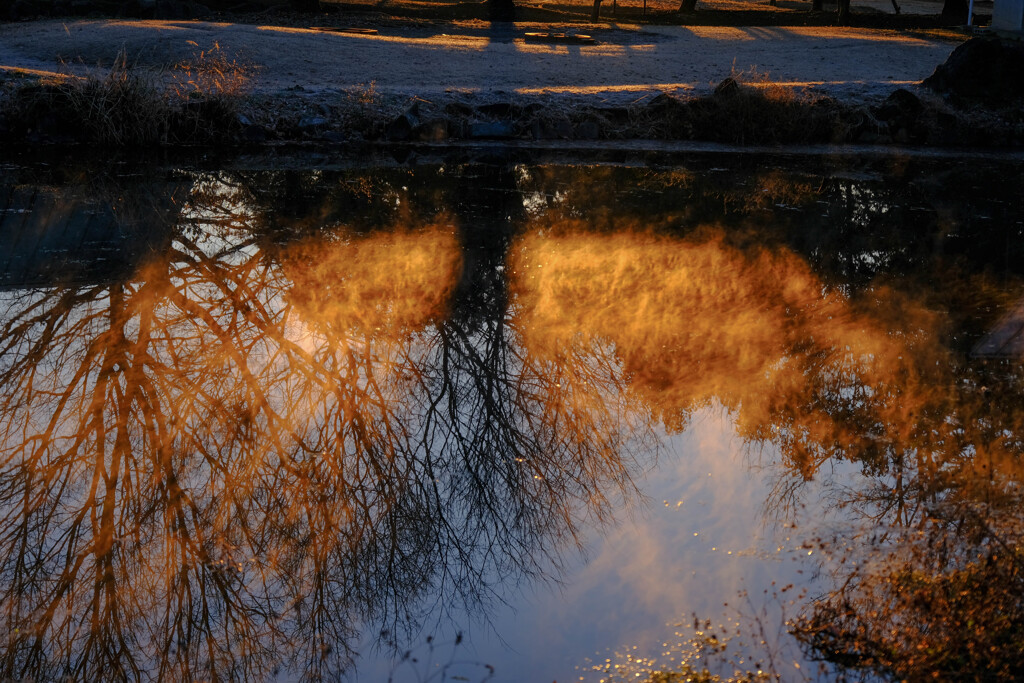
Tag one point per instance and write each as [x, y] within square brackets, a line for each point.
[940, 602]
[853, 361]
[931, 579]
[237, 458]
[928, 578]
[698, 320]
[231, 463]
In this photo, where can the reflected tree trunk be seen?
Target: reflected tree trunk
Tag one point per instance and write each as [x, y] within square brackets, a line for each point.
[688, 6]
[955, 11]
[501, 10]
[843, 13]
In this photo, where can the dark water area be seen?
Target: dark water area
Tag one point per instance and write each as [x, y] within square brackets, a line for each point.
[512, 419]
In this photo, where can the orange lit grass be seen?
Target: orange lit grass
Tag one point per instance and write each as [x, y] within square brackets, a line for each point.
[693, 322]
[392, 282]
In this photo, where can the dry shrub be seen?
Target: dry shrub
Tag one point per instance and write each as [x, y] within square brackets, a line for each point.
[115, 109]
[757, 111]
[745, 109]
[364, 104]
[943, 604]
[366, 95]
[212, 73]
[128, 107]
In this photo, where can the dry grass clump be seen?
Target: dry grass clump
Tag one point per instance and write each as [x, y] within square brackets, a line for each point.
[128, 107]
[212, 72]
[745, 109]
[746, 112]
[365, 109]
[771, 115]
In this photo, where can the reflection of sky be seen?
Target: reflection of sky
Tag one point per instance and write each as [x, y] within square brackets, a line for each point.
[590, 343]
[219, 219]
[699, 539]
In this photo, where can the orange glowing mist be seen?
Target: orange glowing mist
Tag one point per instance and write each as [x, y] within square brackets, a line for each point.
[393, 282]
[696, 321]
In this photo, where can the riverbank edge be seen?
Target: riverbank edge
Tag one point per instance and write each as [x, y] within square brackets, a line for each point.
[735, 113]
[973, 100]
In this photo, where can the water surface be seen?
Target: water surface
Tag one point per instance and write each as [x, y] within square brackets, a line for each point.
[524, 420]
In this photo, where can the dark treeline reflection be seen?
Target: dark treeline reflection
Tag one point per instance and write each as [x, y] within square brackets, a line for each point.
[322, 400]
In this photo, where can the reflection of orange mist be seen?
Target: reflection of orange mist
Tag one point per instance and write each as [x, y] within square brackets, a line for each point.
[389, 283]
[697, 321]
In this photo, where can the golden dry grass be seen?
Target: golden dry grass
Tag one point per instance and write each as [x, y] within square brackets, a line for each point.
[127, 106]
